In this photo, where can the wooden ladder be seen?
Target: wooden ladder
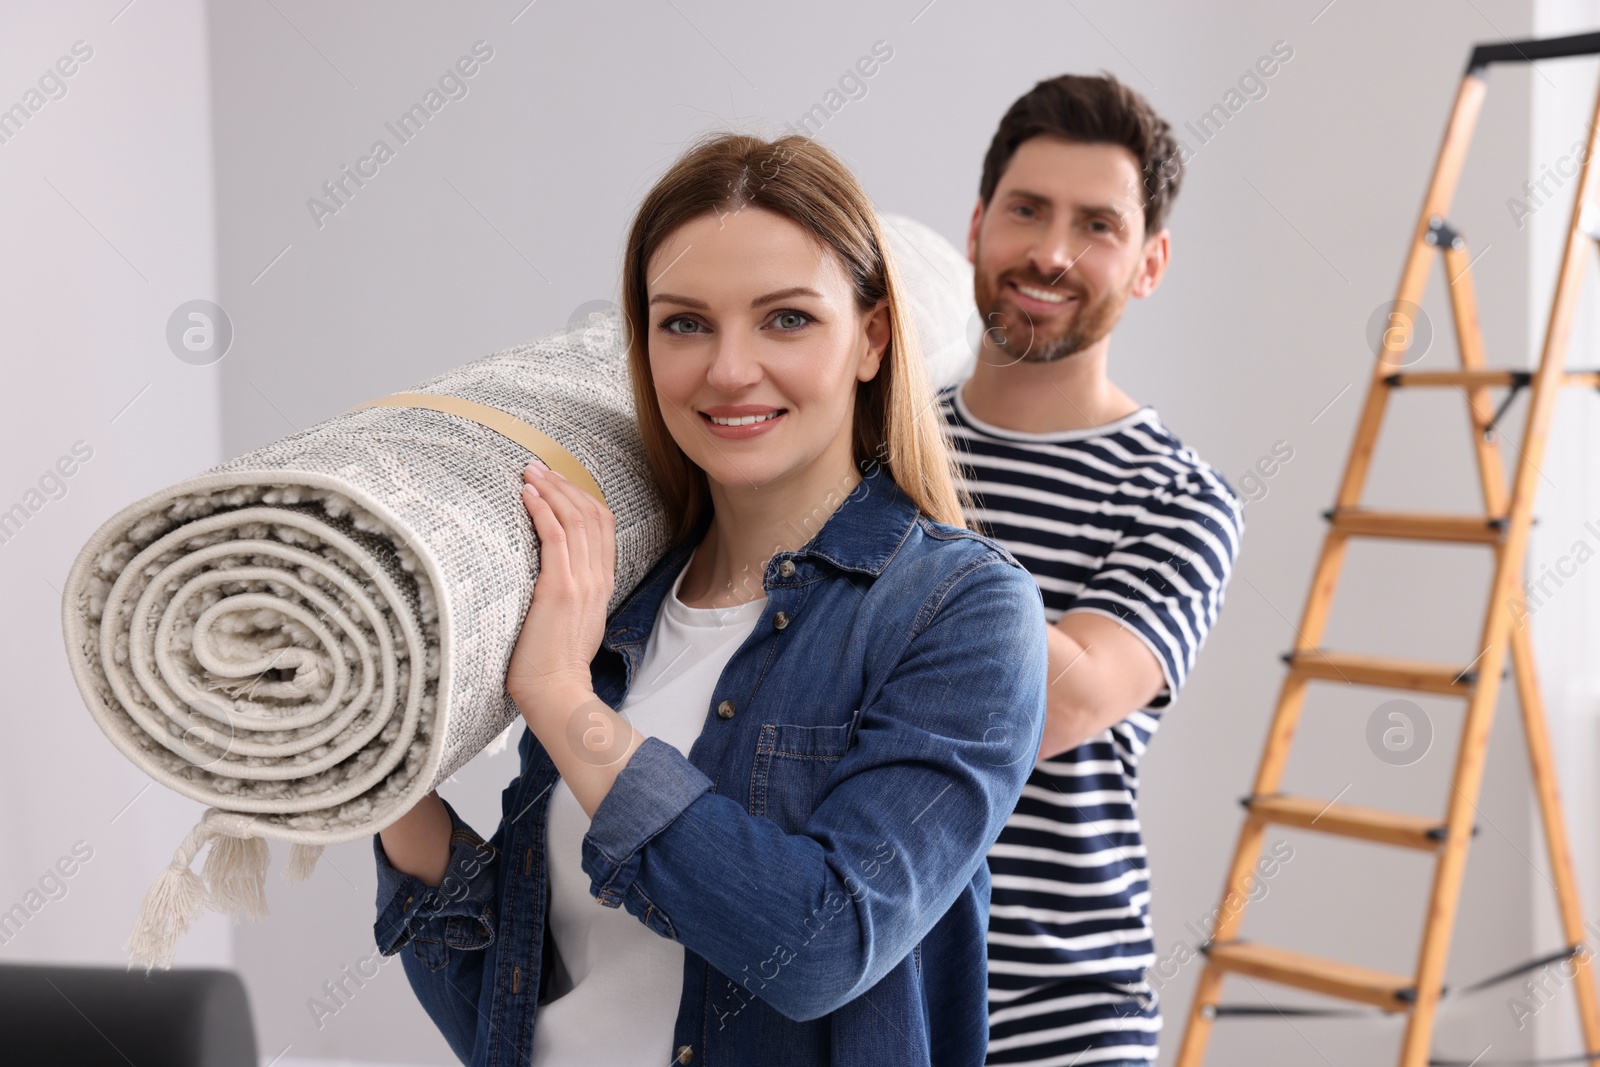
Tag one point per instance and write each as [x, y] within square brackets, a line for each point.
[1504, 529]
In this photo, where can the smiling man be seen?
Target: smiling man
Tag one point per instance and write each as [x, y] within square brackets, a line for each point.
[1129, 534]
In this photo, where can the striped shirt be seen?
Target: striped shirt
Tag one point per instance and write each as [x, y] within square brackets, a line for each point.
[1122, 520]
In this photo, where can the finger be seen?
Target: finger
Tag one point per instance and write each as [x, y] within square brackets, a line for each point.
[557, 492]
[594, 524]
[553, 561]
[608, 543]
[596, 515]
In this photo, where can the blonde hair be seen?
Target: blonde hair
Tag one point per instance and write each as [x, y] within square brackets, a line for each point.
[895, 421]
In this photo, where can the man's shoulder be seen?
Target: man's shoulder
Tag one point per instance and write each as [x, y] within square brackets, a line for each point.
[1139, 449]
[1191, 475]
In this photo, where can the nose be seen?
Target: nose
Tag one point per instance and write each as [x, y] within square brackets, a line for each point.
[1054, 253]
[735, 363]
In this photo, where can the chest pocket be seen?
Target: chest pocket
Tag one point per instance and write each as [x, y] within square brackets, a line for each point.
[792, 767]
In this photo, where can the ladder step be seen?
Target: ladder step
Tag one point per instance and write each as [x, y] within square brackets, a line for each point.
[1347, 820]
[1472, 529]
[1468, 378]
[1347, 981]
[1471, 378]
[1417, 675]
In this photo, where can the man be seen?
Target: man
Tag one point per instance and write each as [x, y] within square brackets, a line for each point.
[1130, 535]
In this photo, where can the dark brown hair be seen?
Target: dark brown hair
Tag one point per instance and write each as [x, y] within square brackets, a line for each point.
[1092, 110]
[792, 176]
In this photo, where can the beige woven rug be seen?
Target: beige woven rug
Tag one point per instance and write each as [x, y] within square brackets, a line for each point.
[310, 637]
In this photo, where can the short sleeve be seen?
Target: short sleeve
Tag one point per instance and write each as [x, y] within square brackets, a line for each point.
[1166, 575]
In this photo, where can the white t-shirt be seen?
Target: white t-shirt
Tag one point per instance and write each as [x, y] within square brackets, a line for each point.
[616, 985]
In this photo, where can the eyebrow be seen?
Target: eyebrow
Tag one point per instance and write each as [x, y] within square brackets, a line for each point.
[781, 294]
[1089, 209]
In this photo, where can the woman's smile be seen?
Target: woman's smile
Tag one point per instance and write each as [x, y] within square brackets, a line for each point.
[735, 423]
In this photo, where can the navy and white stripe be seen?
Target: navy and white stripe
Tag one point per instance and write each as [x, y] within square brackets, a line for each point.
[1125, 521]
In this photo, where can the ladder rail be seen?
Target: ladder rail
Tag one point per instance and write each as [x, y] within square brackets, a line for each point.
[1554, 825]
[1291, 696]
[1529, 697]
[1480, 408]
[1413, 281]
[1503, 592]
[1499, 639]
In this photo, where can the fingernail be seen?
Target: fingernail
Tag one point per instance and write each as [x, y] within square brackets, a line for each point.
[535, 471]
[530, 489]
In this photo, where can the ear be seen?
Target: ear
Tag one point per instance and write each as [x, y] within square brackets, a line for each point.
[1153, 264]
[972, 232]
[876, 329]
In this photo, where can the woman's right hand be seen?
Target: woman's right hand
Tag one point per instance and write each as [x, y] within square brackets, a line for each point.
[566, 617]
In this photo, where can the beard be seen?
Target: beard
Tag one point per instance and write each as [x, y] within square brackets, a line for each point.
[1014, 333]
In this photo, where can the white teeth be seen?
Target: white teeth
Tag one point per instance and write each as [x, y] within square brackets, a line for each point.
[744, 420]
[1042, 294]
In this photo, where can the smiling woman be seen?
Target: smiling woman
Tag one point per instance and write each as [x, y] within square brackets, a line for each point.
[808, 306]
[779, 812]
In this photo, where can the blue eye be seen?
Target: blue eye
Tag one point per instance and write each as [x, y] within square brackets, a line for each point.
[666, 325]
[798, 320]
[790, 313]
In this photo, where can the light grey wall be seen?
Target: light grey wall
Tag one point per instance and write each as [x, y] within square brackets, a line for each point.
[509, 211]
[507, 214]
[107, 227]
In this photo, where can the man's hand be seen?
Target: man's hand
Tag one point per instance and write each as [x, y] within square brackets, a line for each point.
[1100, 673]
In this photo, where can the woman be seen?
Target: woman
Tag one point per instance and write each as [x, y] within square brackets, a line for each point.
[781, 763]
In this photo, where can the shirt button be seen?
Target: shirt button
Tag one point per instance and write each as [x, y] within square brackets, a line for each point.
[725, 711]
[786, 568]
[685, 1054]
[780, 620]
[408, 902]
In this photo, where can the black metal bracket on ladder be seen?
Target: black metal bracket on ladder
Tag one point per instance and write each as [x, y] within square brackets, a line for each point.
[1519, 382]
[1442, 234]
[1526, 51]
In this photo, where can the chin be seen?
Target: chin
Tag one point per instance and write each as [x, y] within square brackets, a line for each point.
[747, 475]
[1026, 341]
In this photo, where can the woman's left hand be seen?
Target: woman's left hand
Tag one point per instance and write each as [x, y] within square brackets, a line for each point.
[577, 575]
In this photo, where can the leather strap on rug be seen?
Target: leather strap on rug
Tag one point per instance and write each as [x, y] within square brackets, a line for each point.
[541, 444]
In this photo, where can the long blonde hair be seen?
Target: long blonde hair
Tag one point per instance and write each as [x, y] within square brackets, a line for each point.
[895, 421]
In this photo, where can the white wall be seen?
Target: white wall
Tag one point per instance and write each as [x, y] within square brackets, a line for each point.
[508, 212]
[1564, 625]
[108, 226]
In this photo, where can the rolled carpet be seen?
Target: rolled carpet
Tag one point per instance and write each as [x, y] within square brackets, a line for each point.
[308, 638]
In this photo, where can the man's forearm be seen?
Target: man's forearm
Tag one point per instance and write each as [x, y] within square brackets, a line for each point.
[1094, 684]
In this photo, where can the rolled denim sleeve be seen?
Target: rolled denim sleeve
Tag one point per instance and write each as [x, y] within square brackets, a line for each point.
[651, 790]
[458, 913]
[946, 738]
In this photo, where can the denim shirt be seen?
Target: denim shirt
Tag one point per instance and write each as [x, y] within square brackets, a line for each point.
[820, 853]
